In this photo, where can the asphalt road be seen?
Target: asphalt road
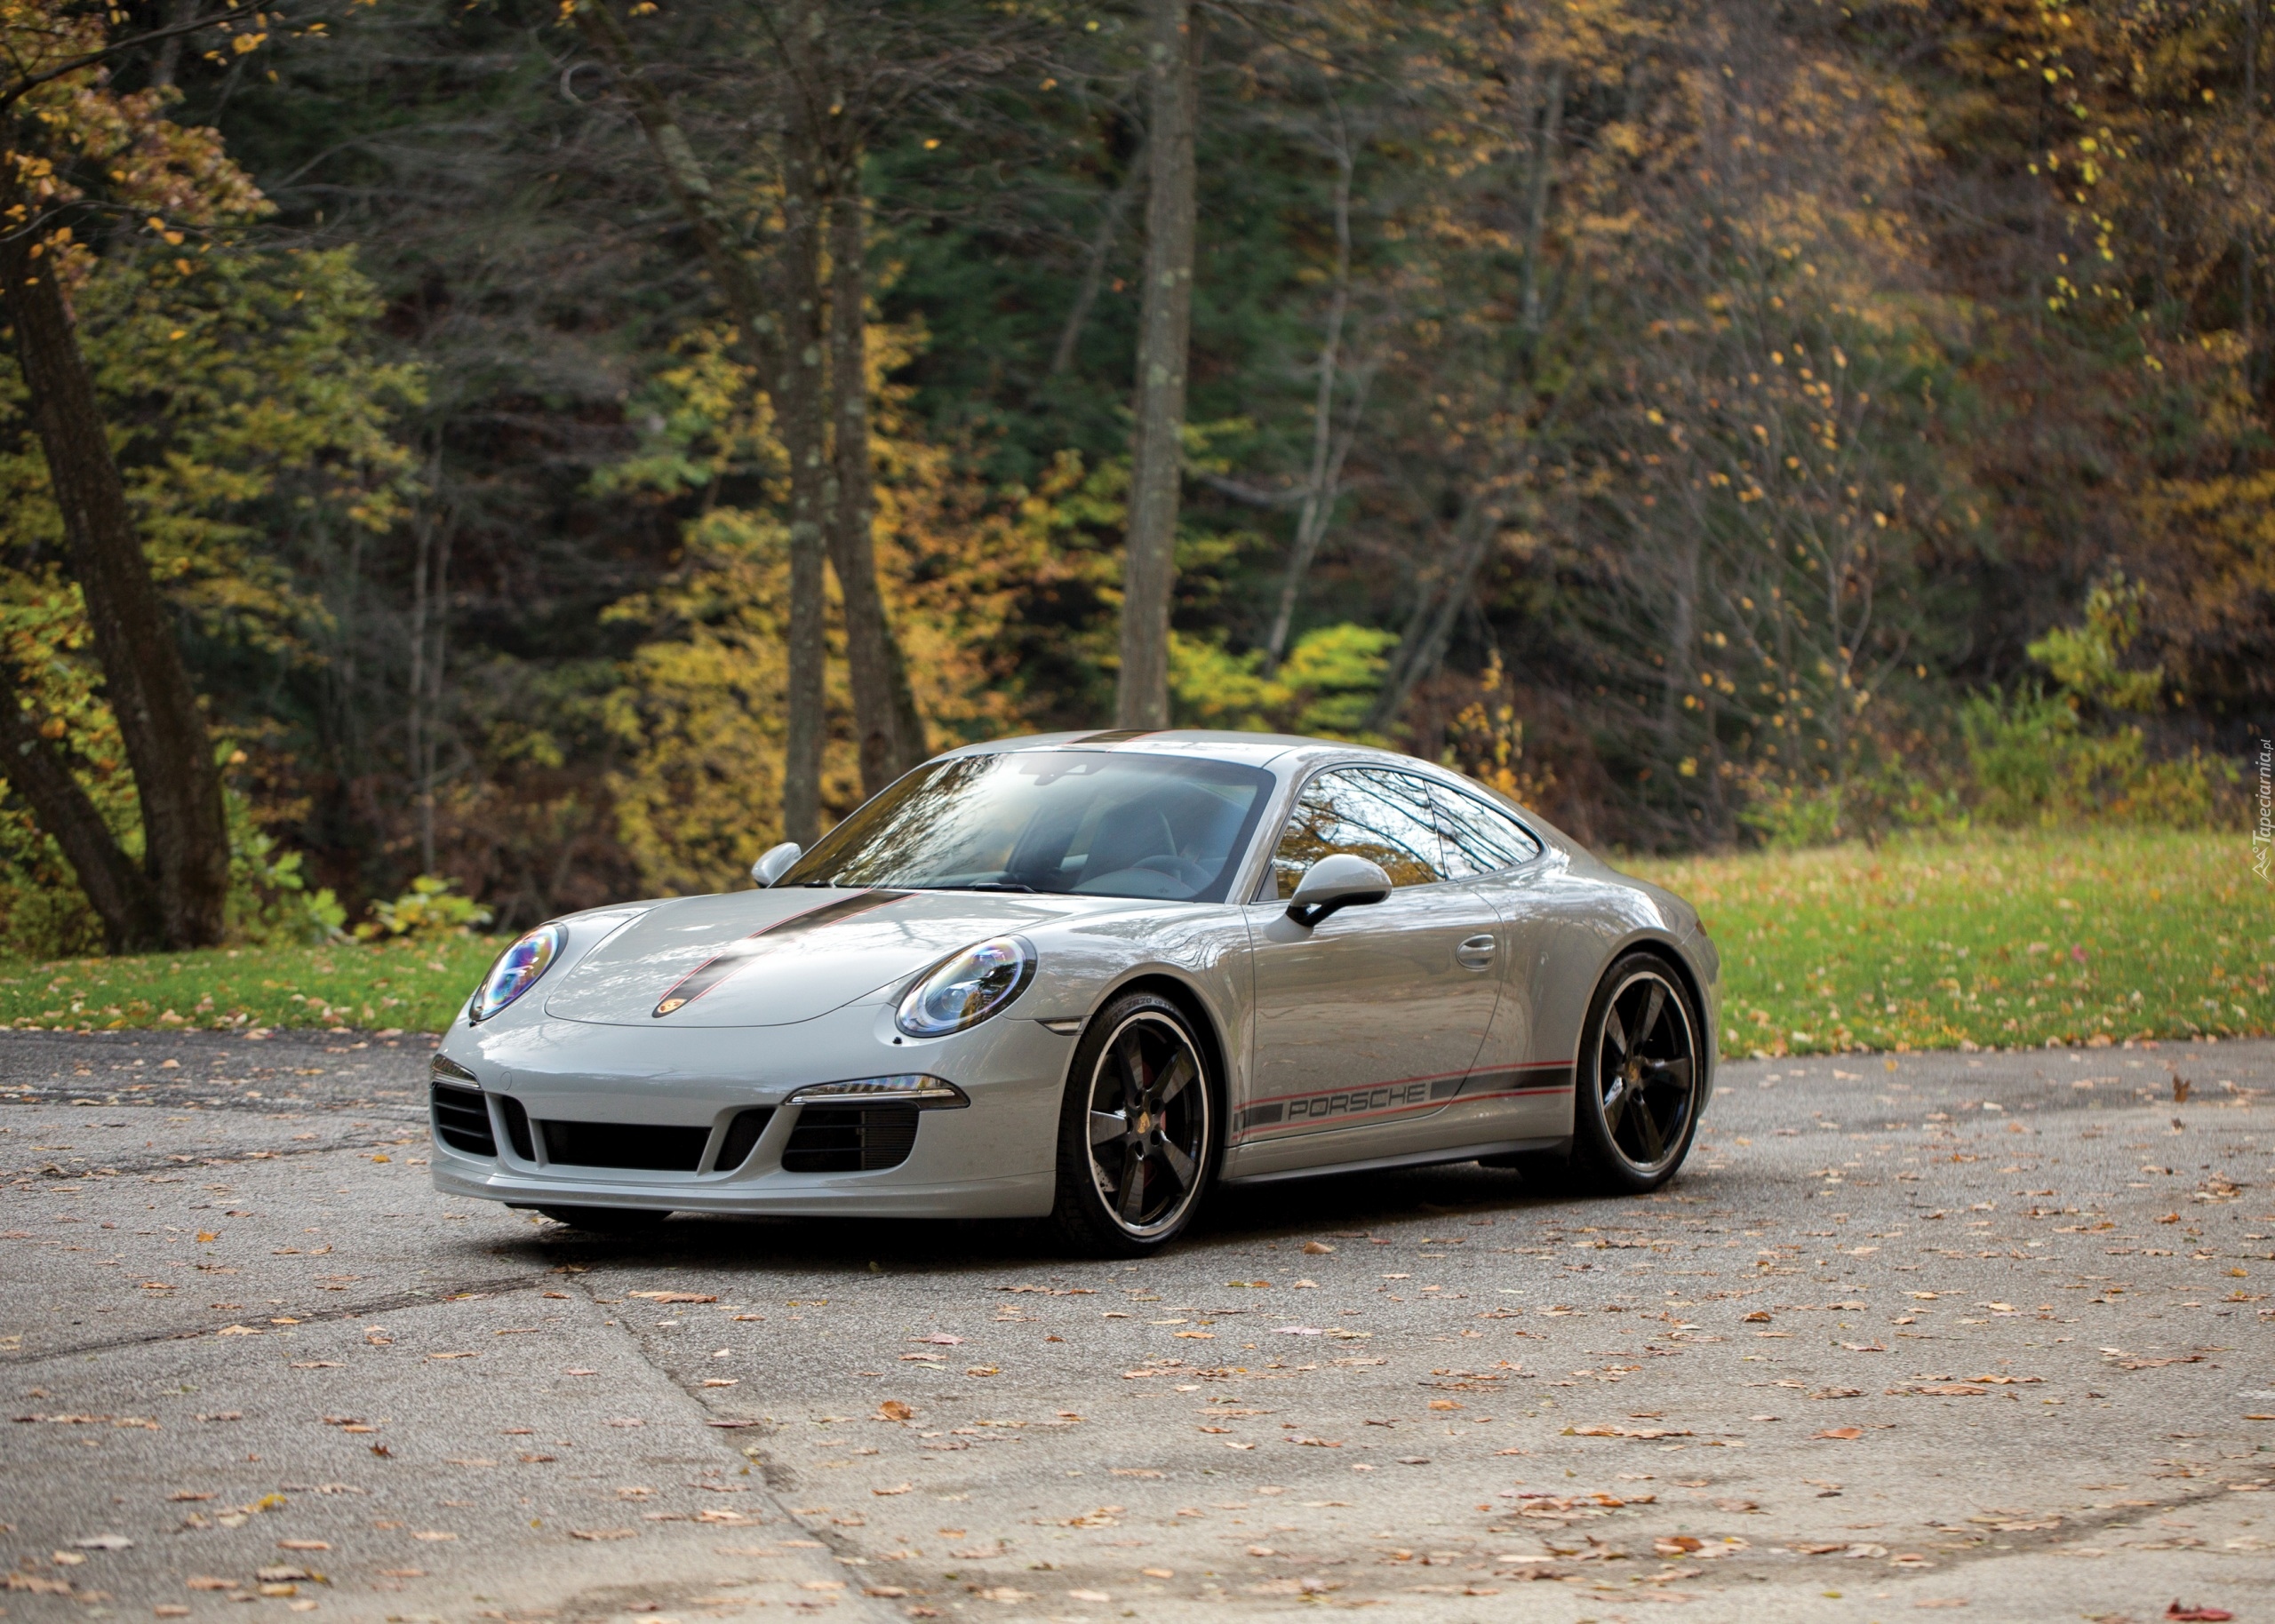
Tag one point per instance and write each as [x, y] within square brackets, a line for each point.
[1923, 1332]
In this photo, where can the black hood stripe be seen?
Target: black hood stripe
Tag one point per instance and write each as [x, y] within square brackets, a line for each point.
[717, 968]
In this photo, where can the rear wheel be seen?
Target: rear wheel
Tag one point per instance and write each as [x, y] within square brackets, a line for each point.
[1138, 1135]
[606, 1220]
[1636, 1104]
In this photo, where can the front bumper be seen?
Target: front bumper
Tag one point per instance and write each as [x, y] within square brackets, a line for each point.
[994, 1158]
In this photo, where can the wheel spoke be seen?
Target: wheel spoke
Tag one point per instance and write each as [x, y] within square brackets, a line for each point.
[1172, 1081]
[1132, 1194]
[1675, 1074]
[1133, 1072]
[1108, 1125]
[1613, 1033]
[1182, 1165]
[1647, 1127]
[1653, 1009]
[1615, 1104]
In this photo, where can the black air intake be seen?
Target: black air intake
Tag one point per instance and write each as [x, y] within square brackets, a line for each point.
[742, 1137]
[624, 1144]
[462, 1120]
[517, 1127]
[850, 1138]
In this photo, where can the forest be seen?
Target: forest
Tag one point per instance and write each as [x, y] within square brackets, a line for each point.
[550, 451]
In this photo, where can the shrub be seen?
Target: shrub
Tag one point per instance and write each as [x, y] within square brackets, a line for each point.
[430, 909]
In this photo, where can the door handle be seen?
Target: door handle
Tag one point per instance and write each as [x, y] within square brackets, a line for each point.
[1476, 953]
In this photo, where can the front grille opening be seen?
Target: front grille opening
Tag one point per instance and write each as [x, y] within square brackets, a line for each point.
[517, 1127]
[462, 1120]
[742, 1137]
[624, 1144]
[850, 1138]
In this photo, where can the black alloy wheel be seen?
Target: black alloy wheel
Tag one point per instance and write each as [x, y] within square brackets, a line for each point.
[1637, 1102]
[1138, 1136]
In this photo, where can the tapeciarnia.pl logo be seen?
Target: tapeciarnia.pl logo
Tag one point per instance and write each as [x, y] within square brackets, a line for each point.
[2263, 828]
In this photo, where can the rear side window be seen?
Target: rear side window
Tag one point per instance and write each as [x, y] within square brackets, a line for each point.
[1387, 819]
[1480, 839]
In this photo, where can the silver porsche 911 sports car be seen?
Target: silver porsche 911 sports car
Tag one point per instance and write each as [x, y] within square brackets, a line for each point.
[1093, 977]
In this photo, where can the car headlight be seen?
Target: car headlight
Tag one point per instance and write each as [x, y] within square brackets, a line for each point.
[968, 988]
[517, 970]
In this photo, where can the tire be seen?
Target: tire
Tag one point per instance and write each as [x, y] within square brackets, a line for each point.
[607, 1220]
[1141, 1099]
[1635, 1102]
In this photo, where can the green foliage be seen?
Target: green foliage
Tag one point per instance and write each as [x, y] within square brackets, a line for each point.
[430, 910]
[270, 902]
[1324, 687]
[2084, 659]
[1892, 797]
[248, 415]
[2032, 764]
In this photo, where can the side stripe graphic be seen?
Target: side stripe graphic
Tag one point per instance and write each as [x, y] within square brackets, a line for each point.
[718, 968]
[1407, 1094]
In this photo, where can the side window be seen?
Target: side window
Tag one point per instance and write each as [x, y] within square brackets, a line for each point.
[1384, 818]
[1480, 839]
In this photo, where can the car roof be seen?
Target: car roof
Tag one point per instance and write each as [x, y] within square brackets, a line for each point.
[1247, 749]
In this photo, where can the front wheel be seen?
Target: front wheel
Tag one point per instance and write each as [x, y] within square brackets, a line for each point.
[1636, 1103]
[1137, 1134]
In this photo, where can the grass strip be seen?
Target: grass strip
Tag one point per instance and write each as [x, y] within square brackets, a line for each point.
[403, 985]
[1999, 940]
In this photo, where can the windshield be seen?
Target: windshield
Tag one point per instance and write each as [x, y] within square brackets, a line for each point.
[1084, 822]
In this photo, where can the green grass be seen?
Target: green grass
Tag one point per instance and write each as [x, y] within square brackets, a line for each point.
[1999, 940]
[403, 985]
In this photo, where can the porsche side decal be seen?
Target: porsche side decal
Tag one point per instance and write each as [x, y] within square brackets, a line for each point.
[1407, 1094]
[717, 968]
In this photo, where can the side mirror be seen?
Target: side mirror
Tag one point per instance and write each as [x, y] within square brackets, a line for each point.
[776, 862]
[1340, 881]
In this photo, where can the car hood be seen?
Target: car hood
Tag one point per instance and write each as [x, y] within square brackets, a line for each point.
[773, 958]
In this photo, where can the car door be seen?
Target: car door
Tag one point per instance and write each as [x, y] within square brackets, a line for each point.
[1367, 1023]
[1516, 1090]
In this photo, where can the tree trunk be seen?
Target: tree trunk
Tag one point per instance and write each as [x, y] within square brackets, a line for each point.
[1436, 613]
[1149, 564]
[799, 412]
[185, 833]
[1319, 495]
[786, 353]
[120, 894]
[884, 709]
